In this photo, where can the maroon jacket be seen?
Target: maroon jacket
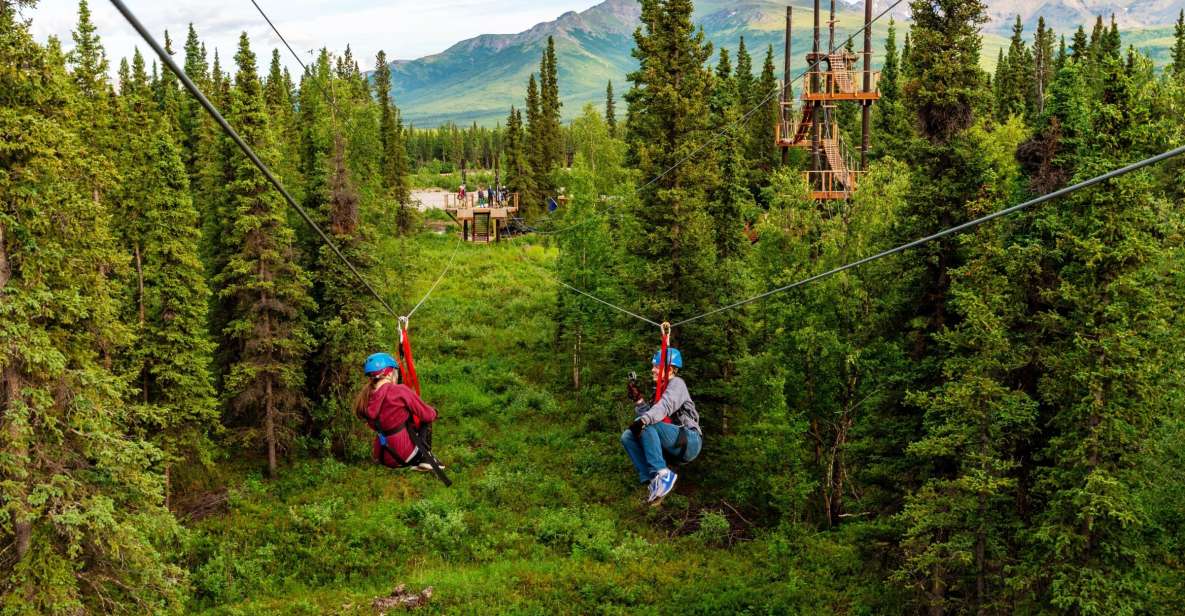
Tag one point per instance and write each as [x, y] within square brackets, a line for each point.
[391, 405]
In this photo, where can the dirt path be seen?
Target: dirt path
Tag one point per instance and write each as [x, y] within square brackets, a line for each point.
[429, 198]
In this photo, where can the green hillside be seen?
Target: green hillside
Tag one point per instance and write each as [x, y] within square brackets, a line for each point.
[477, 80]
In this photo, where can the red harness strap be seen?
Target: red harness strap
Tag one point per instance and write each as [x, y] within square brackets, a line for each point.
[407, 365]
[660, 386]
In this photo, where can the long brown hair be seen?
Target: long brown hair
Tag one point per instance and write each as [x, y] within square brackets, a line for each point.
[362, 400]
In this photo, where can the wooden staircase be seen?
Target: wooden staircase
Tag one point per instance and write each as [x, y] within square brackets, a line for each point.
[482, 227]
[841, 72]
[836, 162]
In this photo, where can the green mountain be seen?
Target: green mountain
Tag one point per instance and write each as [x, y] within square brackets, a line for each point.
[477, 80]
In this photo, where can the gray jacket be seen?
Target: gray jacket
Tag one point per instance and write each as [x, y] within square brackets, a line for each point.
[675, 403]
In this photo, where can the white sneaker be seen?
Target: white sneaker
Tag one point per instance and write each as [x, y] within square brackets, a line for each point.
[661, 485]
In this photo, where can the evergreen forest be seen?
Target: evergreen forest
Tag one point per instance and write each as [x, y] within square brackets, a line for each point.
[988, 423]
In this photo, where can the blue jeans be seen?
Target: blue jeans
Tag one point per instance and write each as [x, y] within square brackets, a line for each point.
[646, 450]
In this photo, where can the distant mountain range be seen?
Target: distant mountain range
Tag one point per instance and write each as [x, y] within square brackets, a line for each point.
[477, 80]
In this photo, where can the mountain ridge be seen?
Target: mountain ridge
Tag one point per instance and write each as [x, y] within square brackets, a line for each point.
[478, 79]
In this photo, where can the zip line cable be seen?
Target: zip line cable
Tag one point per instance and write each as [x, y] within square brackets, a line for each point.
[550, 277]
[331, 98]
[951, 231]
[250, 153]
[438, 280]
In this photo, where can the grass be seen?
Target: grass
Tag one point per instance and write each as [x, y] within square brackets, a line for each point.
[544, 516]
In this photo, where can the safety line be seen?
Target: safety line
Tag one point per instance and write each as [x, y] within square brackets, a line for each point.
[613, 306]
[250, 153]
[956, 229]
[550, 277]
[438, 279]
[332, 99]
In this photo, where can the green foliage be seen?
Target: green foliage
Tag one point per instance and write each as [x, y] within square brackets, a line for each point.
[266, 333]
[945, 81]
[990, 423]
[83, 521]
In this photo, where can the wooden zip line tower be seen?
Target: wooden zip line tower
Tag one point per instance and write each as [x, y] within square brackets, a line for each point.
[835, 77]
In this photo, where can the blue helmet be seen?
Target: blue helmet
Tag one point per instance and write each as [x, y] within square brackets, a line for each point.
[378, 362]
[674, 358]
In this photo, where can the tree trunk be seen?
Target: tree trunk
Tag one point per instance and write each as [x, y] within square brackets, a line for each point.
[140, 285]
[18, 448]
[981, 533]
[937, 592]
[17, 444]
[270, 427]
[576, 362]
[5, 267]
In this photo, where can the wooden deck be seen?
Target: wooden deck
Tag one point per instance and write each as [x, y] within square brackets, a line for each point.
[482, 224]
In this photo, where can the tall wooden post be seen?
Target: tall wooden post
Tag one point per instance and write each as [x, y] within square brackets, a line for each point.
[831, 30]
[787, 91]
[816, 117]
[866, 120]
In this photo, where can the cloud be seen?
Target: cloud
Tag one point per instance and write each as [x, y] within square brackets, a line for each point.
[406, 29]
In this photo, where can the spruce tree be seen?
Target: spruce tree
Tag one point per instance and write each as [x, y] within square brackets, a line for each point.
[278, 95]
[168, 92]
[945, 91]
[394, 163]
[724, 93]
[545, 136]
[83, 519]
[532, 202]
[344, 322]
[946, 82]
[890, 124]
[519, 176]
[1112, 44]
[88, 59]
[671, 239]
[763, 153]
[1079, 48]
[1178, 57]
[157, 225]
[585, 331]
[550, 108]
[959, 523]
[748, 92]
[1105, 328]
[1097, 34]
[267, 289]
[1044, 65]
[1014, 78]
[192, 117]
[611, 110]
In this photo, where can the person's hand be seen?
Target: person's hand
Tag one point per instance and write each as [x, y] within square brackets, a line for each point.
[636, 427]
[632, 390]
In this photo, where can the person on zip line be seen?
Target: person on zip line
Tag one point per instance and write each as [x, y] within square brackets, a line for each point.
[392, 409]
[670, 426]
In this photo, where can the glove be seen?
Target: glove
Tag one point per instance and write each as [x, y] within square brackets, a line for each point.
[632, 390]
[636, 427]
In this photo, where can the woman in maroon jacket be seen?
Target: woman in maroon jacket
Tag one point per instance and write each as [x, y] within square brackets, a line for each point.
[391, 409]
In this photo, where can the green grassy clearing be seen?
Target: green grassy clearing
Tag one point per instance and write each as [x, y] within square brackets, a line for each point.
[543, 517]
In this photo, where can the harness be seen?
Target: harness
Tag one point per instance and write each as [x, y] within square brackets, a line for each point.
[383, 435]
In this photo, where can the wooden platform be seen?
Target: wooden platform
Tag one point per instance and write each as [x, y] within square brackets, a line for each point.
[482, 224]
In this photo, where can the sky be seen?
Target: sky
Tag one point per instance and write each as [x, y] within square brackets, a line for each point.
[406, 29]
